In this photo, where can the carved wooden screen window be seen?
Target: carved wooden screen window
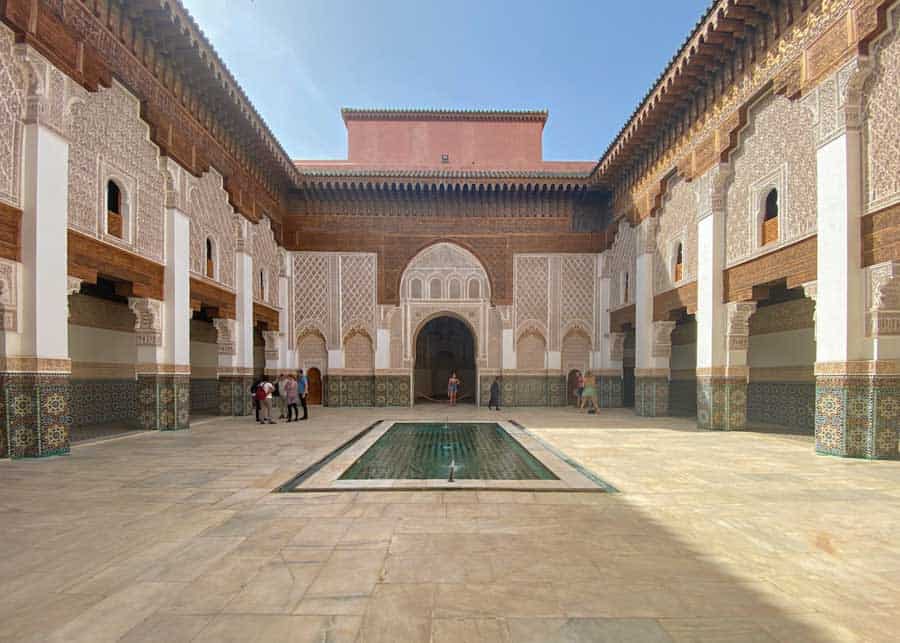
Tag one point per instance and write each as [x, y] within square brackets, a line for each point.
[210, 261]
[114, 222]
[679, 262]
[770, 218]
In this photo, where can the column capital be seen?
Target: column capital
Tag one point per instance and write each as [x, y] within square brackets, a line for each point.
[737, 324]
[272, 339]
[226, 335]
[662, 339]
[883, 295]
[147, 320]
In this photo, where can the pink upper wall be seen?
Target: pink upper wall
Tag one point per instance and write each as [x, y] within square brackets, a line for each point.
[472, 141]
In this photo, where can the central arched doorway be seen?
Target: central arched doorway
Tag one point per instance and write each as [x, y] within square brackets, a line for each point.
[443, 345]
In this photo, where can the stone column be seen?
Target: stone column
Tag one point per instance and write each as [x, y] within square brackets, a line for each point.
[651, 372]
[163, 394]
[36, 370]
[721, 373]
[857, 385]
[287, 351]
[609, 343]
[235, 336]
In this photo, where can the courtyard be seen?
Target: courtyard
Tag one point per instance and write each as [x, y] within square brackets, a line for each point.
[713, 536]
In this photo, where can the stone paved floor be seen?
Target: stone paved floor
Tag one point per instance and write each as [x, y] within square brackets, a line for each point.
[715, 537]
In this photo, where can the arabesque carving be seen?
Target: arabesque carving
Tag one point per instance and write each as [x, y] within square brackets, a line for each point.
[147, 320]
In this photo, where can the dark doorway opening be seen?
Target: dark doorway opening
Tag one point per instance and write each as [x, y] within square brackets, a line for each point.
[444, 345]
[628, 370]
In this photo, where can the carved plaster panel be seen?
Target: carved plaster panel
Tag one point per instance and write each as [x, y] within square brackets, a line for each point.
[12, 113]
[109, 141]
[271, 339]
[662, 339]
[458, 272]
[576, 294]
[226, 335]
[266, 259]
[780, 139]
[881, 111]
[677, 224]
[621, 259]
[212, 217]
[883, 299]
[9, 295]
[357, 294]
[737, 324]
[530, 290]
[147, 320]
[312, 294]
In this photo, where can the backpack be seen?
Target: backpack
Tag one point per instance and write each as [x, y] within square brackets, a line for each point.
[260, 393]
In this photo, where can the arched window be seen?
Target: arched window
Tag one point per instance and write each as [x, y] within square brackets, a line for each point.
[770, 218]
[625, 289]
[679, 262]
[474, 289]
[455, 289]
[262, 284]
[435, 289]
[210, 259]
[115, 222]
[415, 289]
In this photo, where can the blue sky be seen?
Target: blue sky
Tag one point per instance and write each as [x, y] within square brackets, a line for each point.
[588, 62]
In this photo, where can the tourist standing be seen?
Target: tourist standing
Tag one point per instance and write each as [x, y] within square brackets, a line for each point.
[264, 395]
[303, 390]
[253, 389]
[291, 398]
[494, 402]
[589, 395]
[579, 388]
[278, 396]
[452, 388]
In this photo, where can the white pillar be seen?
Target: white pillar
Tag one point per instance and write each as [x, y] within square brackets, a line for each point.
[643, 300]
[287, 357]
[177, 322]
[509, 349]
[383, 348]
[44, 328]
[244, 301]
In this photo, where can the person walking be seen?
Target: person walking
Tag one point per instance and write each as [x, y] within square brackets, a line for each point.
[302, 390]
[494, 402]
[291, 398]
[579, 388]
[452, 388]
[278, 396]
[589, 395]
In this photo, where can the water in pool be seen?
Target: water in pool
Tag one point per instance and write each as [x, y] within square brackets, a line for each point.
[420, 451]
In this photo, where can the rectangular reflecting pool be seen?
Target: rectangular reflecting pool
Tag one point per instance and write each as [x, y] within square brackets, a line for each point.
[422, 451]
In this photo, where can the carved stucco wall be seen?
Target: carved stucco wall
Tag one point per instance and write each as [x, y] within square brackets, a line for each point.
[443, 279]
[359, 353]
[777, 150]
[576, 348]
[212, 217]
[576, 294]
[12, 108]
[312, 353]
[677, 224]
[621, 259]
[108, 139]
[881, 110]
[530, 293]
[530, 351]
[334, 294]
[266, 258]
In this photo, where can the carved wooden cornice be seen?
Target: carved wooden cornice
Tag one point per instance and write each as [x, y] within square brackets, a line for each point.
[90, 258]
[197, 113]
[208, 295]
[691, 118]
[794, 263]
[265, 314]
[620, 317]
[10, 232]
[683, 297]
